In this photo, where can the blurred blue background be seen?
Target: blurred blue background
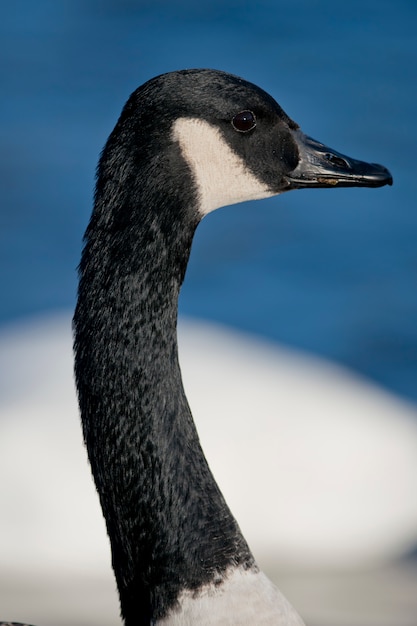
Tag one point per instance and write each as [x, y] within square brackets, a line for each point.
[333, 272]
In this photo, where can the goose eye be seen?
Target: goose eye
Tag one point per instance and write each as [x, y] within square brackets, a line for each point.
[244, 121]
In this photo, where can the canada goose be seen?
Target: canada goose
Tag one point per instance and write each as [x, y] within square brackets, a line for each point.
[185, 144]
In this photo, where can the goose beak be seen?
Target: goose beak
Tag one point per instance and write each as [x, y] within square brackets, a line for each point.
[321, 166]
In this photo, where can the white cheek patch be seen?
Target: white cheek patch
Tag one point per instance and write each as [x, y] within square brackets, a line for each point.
[221, 176]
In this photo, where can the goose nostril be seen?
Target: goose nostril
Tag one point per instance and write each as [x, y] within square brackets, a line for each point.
[337, 160]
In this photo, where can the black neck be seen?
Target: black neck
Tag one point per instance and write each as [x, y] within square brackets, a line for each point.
[167, 521]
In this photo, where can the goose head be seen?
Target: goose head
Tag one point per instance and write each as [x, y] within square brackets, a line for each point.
[236, 140]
